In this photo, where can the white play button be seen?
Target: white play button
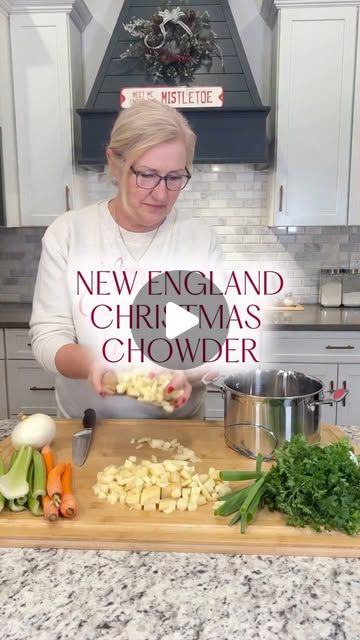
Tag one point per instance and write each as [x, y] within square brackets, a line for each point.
[178, 320]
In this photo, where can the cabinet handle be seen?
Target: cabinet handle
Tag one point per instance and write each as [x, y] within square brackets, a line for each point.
[331, 385]
[281, 198]
[344, 387]
[347, 346]
[67, 198]
[42, 389]
[29, 344]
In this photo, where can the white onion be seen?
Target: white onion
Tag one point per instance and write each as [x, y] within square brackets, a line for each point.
[35, 431]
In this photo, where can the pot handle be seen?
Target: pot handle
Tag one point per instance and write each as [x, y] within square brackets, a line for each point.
[217, 381]
[337, 395]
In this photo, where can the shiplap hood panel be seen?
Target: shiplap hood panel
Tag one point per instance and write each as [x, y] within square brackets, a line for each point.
[233, 133]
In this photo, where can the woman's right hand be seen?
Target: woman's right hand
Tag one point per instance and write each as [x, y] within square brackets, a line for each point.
[102, 380]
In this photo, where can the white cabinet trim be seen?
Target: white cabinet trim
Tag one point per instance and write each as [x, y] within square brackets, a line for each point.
[77, 9]
[354, 202]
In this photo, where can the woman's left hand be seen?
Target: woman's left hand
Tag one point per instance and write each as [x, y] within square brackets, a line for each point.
[180, 381]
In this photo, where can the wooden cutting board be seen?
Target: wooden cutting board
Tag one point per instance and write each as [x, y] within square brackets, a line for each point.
[100, 525]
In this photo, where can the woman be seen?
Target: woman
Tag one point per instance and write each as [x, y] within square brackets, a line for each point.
[149, 156]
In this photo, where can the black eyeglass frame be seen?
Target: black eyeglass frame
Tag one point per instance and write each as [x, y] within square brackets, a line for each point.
[160, 178]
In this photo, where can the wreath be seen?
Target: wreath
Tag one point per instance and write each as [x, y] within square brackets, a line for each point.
[173, 44]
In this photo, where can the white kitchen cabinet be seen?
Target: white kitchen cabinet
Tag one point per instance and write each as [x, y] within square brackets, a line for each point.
[3, 399]
[47, 80]
[30, 389]
[354, 204]
[316, 49]
[333, 357]
[348, 411]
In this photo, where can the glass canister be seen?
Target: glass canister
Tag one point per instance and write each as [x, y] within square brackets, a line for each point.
[331, 287]
[351, 288]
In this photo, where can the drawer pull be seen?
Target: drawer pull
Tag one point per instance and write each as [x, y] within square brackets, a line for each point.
[42, 389]
[29, 344]
[344, 387]
[331, 346]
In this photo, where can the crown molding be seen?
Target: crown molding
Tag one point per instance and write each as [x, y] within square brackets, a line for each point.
[269, 8]
[77, 9]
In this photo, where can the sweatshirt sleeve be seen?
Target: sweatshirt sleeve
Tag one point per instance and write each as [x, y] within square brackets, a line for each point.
[51, 323]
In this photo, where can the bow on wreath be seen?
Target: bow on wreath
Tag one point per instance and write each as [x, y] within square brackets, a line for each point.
[169, 16]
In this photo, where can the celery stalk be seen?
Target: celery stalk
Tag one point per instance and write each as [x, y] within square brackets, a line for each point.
[39, 479]
[33, 502]
[2, 498]
[14, 483]
[13, 506]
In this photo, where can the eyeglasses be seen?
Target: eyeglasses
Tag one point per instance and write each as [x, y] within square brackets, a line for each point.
[150, 180]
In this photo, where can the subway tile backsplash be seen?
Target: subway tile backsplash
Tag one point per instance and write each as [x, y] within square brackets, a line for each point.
[232, 199]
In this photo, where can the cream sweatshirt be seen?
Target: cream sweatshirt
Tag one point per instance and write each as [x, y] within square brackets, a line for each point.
[87, 241]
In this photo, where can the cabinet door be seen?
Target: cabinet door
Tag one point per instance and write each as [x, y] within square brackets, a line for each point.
[40, 57]
[348, 413]
[30, 388]
[314, 115]
[354, 205]
[3, 403]
[327, 373]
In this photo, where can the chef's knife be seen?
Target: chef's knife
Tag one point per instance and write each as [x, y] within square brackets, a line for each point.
[82, 439]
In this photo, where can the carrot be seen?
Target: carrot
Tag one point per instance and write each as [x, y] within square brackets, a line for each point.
[48, 455]
[54, 486]
[51, 512]
[68, 506]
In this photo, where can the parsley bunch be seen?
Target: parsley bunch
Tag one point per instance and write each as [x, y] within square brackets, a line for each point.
[315, 486]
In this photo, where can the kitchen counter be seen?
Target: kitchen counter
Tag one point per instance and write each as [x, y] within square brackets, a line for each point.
[63, 594]
[313, 318]
[15, 315]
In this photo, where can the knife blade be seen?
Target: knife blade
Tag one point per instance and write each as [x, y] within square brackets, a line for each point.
[82, 439]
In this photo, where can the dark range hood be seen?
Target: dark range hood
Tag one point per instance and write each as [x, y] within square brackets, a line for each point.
[233, 133]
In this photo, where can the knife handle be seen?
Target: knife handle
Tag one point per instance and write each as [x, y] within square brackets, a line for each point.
[89, 419]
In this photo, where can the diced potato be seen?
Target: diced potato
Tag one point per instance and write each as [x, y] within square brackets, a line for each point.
[132, 458]
[137, 507]
[112, 498]
[133, 498]
[201, 500]
[203, 477]
[182, 504]
[150, 495]
[175, 476]
[167, 504]
[192, 506]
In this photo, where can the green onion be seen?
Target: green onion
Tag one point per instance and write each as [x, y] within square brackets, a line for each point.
[236, 517]
[233, 504]
[243, 523]
[259, 459]
[239, 475]
[251, 494]
[250, 514]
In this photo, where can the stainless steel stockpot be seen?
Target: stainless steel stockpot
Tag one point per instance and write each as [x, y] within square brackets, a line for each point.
[265, 407]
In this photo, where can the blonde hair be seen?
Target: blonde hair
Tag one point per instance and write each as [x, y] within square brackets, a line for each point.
[142, 126]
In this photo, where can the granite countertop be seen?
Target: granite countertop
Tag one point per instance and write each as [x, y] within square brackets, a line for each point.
[113, 595]
[313, 318]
